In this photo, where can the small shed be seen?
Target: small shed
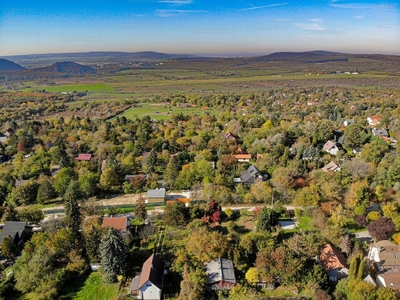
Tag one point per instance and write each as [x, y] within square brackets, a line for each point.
[156, 196]
[220, 274]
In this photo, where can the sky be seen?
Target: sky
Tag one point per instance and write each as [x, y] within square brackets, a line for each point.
[199, 27]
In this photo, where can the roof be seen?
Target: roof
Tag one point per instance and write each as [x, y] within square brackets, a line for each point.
[392, 280]
[248, 176]
[119, 223]
[331, 258]
[12, 228]
[159, 193]
[387, 253]
[153, 271]
[84, 156]
[243, 156]
[220, 269]
[330, 167]
[329, 145]
[382, 132]
[20, 182]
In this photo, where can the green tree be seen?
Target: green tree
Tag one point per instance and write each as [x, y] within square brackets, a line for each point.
[31, 214]
[24, 194]
[176, 214]
[8, 247]
[109, 180]
[73, 215]
[375, 150]
[63, 178]
[267, 218]
[113, 253]
[151, 161]
[92, 234]
[88, 184]
[171, 171]
[45, 193]
[10, 214]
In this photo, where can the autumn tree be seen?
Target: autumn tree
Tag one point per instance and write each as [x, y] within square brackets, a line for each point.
[8, 247]
[382, 229]
[92, 234]
[31, 214]
[140, 209]
[176, 214]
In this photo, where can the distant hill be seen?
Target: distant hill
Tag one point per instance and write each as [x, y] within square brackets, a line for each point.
[310, 56]
[7, 65]
[59, 69]
[66, 67]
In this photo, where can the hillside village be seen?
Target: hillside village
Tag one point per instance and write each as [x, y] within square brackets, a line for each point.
[292, 193]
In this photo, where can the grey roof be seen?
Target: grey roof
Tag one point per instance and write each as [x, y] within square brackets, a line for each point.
[160, 193]
[20, 182]
[381, 132]
[220, 269]
[3, 139]
[134, 283]
[249, 176]
[13, 229]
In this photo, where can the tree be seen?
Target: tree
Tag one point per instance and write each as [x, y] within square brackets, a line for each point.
[73, 215]
[171, 171]
[109, 180]
[382, 229]
[359, 193]
[10, 214]
[176, 214]
[267, 218]
[151, 161]
[31, 214]
[8, 247]
[24, 194]
[252, 276]
[112, 251]
[92, 234]
[63, 178]
[140, 209]
[45, 193]
[88, 184]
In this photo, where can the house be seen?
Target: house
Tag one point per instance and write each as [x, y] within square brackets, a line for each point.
[9, 132]
[119, 223]
[385, 256]
[373, 121]
[220, 274]
[148, 284]
[348, 122]
[243, 157]
[331, 148]
[156, 196]
[333, 262]
[331, 167]
[20, 182]
[3, 138]
[84, 157]
[380, 132]
[17, 230]
[230, 137]
[249, 176]
[54, 170]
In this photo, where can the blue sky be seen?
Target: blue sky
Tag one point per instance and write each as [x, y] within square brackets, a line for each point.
[195, 26]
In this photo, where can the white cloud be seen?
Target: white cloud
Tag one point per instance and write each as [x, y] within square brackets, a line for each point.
[176, 2]
[359, 17]
[165, 13]
[314, 25]
[364, 6]
[264, 6]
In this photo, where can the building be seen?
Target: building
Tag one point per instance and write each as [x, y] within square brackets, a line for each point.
[119, 223]
[17, 231]
[54, 170]
[156, 196]
[385, 257]
[249, 176]
[20, 182]
[3, 138]
[333, 262]
[243, 157]
[380, 132]
[220, 274]
[331, 148]
[331, 167]
[374, 121]
[84, 157]
[148, 284]
[348, 122]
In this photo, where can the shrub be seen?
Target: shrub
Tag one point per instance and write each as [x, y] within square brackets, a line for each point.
[374, 215]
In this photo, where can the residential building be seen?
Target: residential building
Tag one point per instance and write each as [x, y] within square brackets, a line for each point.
[17, 231]
[331, 148]
[119, 223]
[20, 182]
[243, 157]
[385, 256]
[156, 196]
[331, 167]
[333, 262]
[348, 122]
[374, 121]
[148, 284]
[84, 157]
[249, 176]
[380, 132]
[220, 274]
[3, 138]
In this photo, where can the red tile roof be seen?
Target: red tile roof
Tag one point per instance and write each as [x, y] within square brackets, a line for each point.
[85, 157]
[153, 271]
[243, 156]
[331, 258]
[119, 223]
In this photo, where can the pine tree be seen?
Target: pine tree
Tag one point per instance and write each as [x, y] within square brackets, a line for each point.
[112, 251]
[10, 214]
[171, 171]
[73, 215]
[45, 192]
[151, 161]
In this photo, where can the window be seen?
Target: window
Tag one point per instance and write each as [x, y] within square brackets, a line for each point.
[392, 285]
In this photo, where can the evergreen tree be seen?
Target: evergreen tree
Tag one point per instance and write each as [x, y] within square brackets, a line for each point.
[266, 219]
[151, 161]
[45, 192]
[112, 251]
[10, 214]
[73, 215]
[140, 209]
[171, 171]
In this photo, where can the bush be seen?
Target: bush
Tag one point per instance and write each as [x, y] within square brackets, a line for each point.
[298, 213]
[229, 212]
[374, 215]
[361, 220]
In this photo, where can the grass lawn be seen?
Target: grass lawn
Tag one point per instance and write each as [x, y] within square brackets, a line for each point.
[305, 224]
[91, 287]
[98, 87]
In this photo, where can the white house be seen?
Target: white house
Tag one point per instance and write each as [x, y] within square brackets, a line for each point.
[149, 283]
[331, 148]
[386, 260]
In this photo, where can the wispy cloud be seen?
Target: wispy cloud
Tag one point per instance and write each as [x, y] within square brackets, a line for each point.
[176, 2]
[314, 25]
[263, 6]
[165, 13]
[363, 6]
[359, 17]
